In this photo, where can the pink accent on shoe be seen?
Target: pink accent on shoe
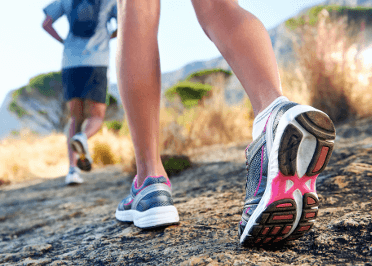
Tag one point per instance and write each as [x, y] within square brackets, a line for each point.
[135, 182]
[321, 160]
[259, 182]
[265, 231]
[284, 205]
[310, 215]
[278, 186]
[310, 201]
[129, 203]
[245, 151]
[168, 183]
[246, 212]
[283, 217]
[264, 130]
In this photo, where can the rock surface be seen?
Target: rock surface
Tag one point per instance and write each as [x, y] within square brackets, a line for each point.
[47, 223]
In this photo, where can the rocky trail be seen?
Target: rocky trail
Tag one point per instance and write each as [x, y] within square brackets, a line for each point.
[48, 223]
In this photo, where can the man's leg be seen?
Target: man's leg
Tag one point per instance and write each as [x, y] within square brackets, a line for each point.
[77, 118]
[138, 72]
[245, 44]
[95, 117]
[95, 114]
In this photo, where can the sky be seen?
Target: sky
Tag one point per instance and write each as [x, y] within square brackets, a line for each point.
[26, 50]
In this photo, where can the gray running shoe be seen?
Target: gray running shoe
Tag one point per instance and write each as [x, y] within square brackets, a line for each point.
[150, 205]
[283, 163]
[79, 144]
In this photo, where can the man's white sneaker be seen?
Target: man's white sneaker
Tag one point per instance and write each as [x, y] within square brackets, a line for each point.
[73, 176]
[79, 144]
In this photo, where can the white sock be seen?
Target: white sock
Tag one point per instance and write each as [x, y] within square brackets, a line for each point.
[260, 120]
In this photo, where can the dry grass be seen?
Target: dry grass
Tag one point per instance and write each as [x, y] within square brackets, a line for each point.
[204, 126]
[32, 157]
[336, 81]
[108, 147]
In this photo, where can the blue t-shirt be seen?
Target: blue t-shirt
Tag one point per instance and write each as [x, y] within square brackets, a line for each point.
[79, 51]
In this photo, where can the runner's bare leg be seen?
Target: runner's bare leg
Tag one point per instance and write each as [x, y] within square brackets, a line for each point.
[240, 37]
[138, 72]
[95, 117]
[245, 44]
[77, 118]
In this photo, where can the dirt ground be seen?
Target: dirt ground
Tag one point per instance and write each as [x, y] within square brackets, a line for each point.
[44, 222]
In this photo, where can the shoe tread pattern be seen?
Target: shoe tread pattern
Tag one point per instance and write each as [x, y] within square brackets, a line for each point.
[83, 163]
[273, 224]
[309, 214]
[277, 220]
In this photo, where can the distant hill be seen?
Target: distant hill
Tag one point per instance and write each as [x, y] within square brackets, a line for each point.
[351, 3]
[8, 120]
[170, 78]
[39, 107]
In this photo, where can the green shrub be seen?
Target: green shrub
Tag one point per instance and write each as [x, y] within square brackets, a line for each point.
[355, 14]
[208, 71]
[18, 110]
[15, 133]
[42, 112]
[114, 125]
[17, 93]
[174, 164]
[190, 93]
[110, 99]
[13, 106]
[45, 83]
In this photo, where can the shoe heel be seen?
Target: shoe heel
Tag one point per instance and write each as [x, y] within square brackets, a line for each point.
[156, 217]
[77, 147]
[320, 126]
[317, 133]
[84, 164]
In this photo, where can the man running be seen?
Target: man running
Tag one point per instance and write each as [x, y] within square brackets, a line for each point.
[84, 71]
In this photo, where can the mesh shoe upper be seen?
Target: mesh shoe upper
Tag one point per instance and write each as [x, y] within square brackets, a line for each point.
[154, 192]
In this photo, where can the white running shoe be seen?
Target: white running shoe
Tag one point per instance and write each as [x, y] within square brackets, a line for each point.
[79, 144]
[283, 163]
[73, 176]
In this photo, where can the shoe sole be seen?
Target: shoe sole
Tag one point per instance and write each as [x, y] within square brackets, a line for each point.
[83, 163]
[73, 182]
[289, 206]
[152, 218]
